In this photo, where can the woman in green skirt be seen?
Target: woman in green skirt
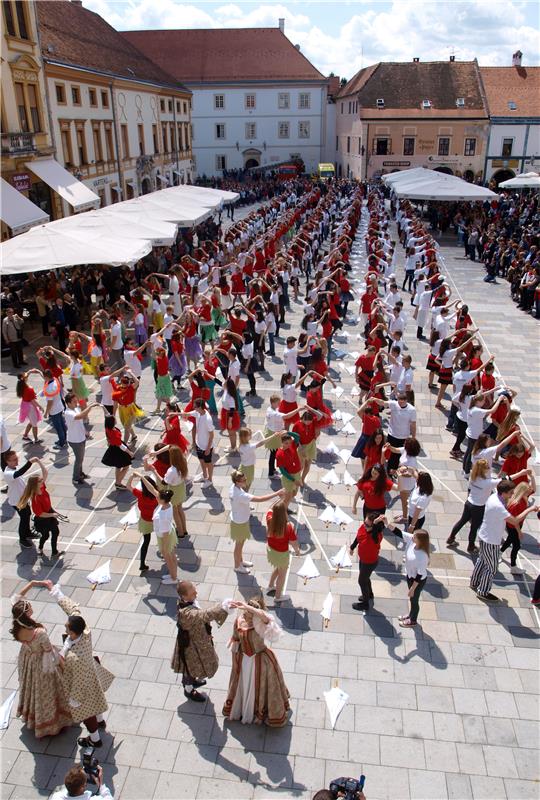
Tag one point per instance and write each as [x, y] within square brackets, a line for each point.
[279, 533]
[78, 386]
[240, 513]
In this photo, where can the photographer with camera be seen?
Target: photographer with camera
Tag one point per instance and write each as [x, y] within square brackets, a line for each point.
[344, 788]
[77, 780]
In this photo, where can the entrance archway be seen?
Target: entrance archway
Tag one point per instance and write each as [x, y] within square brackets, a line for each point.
[444, 170]
[252, 157]
[146, 186]
[503, 175]
[468, 176]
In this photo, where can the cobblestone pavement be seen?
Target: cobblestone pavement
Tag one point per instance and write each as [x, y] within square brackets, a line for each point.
[446, 710]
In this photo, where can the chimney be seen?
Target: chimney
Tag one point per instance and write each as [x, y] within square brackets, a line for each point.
[282, 24]
[416, 59]
[516, 58]
[77, 2]
[452, 58]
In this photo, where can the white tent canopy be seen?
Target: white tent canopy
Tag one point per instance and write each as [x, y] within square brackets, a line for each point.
[406, 175]
[52, 246]
[17, 211]
[204, 193]
[526, 180]
[110, 221]
[443, 187]
[76, 193]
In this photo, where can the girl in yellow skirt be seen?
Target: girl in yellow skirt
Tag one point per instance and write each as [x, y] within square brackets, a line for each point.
[175, 480]
[162, 520]
[75, 342]
[124, 394]
[240, 513]
[279, 534]
[247, 452]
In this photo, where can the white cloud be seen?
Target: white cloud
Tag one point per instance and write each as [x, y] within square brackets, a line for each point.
[399, 31]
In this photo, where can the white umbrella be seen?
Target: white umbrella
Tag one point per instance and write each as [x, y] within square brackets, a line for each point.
[308, 570]
[172, 208]
[52, 246]
[326, 610]
[100, 575]
[525, 180]
[106, 222]
[336, 700]
[98, 536]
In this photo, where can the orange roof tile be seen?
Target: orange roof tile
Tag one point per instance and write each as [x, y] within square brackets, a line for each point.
[519, 85]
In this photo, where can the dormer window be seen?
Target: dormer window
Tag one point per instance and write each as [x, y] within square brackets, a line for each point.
[380, 102]
[511, 105]
[426, 103]
[460, 102]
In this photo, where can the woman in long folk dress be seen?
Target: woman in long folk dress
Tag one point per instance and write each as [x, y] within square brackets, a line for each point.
[42, 706]
[257, 691]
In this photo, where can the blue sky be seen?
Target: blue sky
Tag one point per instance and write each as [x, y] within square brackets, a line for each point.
[341, 37]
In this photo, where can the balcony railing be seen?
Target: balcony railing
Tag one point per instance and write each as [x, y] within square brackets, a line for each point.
[18, 143]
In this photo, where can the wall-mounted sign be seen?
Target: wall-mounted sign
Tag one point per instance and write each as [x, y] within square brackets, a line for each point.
[396, 163]
[21, 181]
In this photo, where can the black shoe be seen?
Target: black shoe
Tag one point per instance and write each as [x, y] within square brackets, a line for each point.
[86, 741]
[195, 695]
[272, 474]
[26, 544]
[102, 724]
[197, 684]
[361, 606]
[58, 554]
[144, 568]
[489, 598]
[4, 490]
[84, 475]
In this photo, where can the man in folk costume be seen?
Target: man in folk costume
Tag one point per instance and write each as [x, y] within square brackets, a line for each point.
[194, 652]
[85, 679]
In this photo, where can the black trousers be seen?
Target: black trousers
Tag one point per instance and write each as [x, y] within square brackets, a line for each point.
[512, 540]
[364, 580]
[474, 515]
[47, 526]
[393, 461]
[24, 522]
[461, 431]
[16, 351]
[415, 599]
[145, 546]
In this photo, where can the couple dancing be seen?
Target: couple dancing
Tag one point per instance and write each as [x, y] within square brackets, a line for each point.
[257, 691]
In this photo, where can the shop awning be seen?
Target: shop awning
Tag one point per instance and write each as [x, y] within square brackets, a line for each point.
[74, 192]
[17, 211]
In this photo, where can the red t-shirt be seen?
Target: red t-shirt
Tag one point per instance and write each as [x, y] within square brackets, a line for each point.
[371, 498]
[307, 431]
[114, 436]
[488, 382]
[517, 508]
[41, 503]
[370, 423]
[368, 549]
[237, 325]
[162, 365]
[147, 505]
[281, 543]
[28, 394]
[288, 459]
[513, 464]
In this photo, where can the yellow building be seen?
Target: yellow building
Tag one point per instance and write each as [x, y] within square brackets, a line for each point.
[24, 120]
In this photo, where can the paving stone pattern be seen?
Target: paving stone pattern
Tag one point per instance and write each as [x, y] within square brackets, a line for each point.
[446, 710]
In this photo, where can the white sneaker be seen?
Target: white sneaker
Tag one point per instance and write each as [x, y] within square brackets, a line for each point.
[242, 570]
[282, 599]
[168, 580]
[516, 570]
[247, 563]
[198, 479]
[207, 484]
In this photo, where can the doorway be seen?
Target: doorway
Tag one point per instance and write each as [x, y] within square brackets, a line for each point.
[444, 170]
[146, 186]
[503, 175]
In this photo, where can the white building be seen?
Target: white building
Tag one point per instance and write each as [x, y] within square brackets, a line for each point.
[257, 100]
[513, 98]
[119, 122]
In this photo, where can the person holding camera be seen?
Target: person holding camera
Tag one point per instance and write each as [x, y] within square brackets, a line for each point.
[75, 783]
[85, 679]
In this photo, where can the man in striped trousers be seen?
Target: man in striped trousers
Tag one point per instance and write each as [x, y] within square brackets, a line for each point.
[491, 533]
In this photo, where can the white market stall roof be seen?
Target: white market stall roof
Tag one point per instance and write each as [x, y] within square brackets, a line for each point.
[526, 180]
[447, 187]
[74, 192]
[17, 211]
[110, 221]
[118, 234]
[53, 246]
[406, 174]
